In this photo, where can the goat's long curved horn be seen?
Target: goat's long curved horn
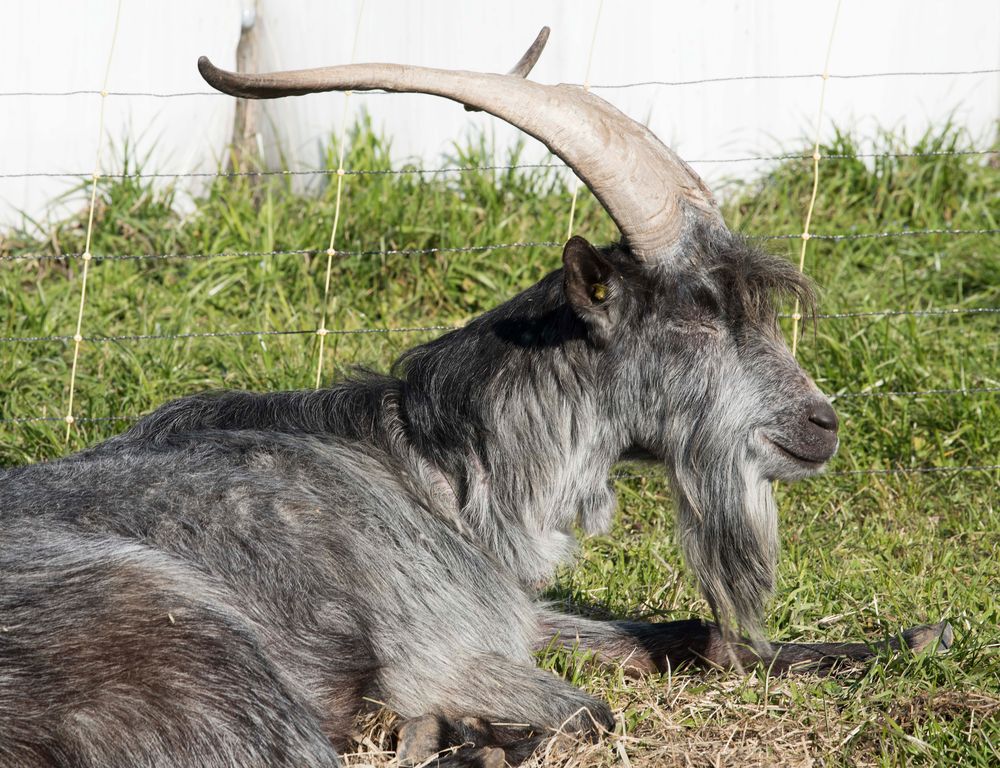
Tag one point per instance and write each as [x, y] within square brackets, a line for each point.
[646, 188]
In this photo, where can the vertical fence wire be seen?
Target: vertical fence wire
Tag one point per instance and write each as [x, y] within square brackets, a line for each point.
[331, 250]
[78, 336]
[797, 312]
[586, 87]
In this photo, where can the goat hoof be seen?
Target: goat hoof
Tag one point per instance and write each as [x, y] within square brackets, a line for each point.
[488, 757]
[934, 637]
[492, 757]
[418, 739]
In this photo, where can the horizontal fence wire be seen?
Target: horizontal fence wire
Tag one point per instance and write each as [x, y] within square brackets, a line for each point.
[223, 334]
[918, 470]
[423, 328]
[906, 313]
[836, 237]
[830, 237]
[76, 419]
[478, 168]
[917, 392]
[312, 172]
[801, 76]
[902, 470]
[293, 252]
[964, 391]
[605, 86]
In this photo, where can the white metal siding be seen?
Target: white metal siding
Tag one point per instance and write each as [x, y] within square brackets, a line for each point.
[62, 45]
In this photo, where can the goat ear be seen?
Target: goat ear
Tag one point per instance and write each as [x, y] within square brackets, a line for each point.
[592, 286]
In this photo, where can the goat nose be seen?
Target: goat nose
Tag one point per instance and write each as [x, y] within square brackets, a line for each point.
[822, 415]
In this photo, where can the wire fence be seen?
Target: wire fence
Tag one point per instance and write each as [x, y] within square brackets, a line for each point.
[138, 174]
[830, 237]
[341, 173]
[427, 328]
[599, 86]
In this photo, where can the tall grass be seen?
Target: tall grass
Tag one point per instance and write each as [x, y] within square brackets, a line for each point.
[863, 554]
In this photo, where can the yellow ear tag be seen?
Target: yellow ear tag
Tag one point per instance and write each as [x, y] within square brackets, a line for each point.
[599, 291]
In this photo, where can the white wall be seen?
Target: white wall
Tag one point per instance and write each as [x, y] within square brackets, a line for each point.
[61, 45]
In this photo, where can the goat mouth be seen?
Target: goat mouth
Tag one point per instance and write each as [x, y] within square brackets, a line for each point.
[808, 461]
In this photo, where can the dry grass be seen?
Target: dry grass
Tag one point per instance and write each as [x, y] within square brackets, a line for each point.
[715, 719]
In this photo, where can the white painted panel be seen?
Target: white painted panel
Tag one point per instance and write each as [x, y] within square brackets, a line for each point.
[62, 45]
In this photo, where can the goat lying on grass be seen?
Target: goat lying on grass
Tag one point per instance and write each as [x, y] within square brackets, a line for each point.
[231, 580]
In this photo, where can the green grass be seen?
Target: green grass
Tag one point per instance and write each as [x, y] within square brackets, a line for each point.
[863, 554]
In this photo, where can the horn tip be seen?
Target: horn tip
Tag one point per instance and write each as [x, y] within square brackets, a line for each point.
[205, 67]
[215, 77]
[541, 38]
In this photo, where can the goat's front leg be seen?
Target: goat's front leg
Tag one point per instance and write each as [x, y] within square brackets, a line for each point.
[488, 701]
[648, 648]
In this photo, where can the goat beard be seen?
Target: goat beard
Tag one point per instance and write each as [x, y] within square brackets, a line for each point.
[728, 530]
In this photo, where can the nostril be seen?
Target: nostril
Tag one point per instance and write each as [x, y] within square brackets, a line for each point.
[823, 415]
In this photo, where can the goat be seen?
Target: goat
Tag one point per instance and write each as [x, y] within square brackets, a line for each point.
[232, 579]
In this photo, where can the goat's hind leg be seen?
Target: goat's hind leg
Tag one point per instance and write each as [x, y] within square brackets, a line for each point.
[117, 655]
[649, 648]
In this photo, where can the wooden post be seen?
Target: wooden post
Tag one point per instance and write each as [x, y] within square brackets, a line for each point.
[244, 150]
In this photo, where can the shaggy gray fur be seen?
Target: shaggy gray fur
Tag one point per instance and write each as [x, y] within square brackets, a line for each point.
[230, 581]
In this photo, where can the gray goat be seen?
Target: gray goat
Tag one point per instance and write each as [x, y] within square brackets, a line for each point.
[233, 579]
